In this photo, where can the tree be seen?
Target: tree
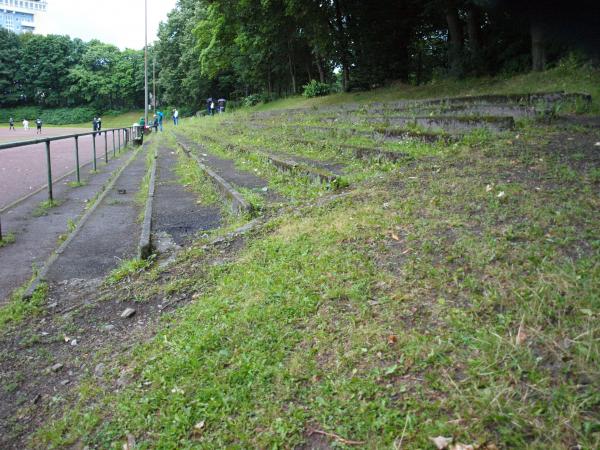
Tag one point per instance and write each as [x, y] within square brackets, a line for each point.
[10, 55]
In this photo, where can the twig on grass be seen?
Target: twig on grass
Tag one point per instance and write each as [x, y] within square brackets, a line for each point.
[336, 437]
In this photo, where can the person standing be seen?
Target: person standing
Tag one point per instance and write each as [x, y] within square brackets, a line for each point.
[161, 116]
[38, 124]
[99, 122]
[208, 102]
[11, 124]
[25, 124]
[212, 108]
[155, 123]
[221, 102]
[175, 117]
[95, 124]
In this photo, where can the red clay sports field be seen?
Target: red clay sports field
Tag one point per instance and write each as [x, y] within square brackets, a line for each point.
[23, 169]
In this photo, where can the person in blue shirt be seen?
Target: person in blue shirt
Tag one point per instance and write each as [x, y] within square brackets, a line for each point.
[161, 116]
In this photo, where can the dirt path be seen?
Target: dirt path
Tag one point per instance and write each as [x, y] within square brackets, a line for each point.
[110, 235]
[177, 216]
[37, 237]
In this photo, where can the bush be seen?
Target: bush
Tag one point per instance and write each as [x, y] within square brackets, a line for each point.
[316, 89]
[57, 116]
[252, 100]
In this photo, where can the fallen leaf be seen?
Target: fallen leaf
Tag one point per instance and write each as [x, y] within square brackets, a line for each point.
[392, 339]
[461, 447]
[198, 429]
[130, 444]
[395, 236]
[489, 188]
[502, 194]
[521, 335]
[441, 442]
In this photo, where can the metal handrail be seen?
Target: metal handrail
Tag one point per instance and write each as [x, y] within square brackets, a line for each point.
[127, 138]
[8, 145]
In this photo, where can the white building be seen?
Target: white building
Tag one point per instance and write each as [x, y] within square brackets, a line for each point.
[19, 15]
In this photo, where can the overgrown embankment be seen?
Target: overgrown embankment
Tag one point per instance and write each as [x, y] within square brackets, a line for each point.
[452, 291]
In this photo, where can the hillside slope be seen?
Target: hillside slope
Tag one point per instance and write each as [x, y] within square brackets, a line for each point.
[399, 284]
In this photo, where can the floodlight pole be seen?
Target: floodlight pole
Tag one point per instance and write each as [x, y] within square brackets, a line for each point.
[146, 62]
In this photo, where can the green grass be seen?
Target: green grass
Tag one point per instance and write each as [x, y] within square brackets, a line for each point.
[128, 268]
[117, 121]
[76, 184]
[44, 207]
[567, 76]
[18, 308]
[454, 294]
[142, 194]
[193, 178]
[7, 239]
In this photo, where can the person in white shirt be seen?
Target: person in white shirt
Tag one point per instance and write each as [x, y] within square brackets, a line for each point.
[175, 117]
[25, 124]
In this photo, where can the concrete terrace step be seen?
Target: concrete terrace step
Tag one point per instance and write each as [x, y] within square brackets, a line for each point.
[320, 171]
[109, 235]
[176, 214]
[226, 169]
[239, 204]
[36, 237]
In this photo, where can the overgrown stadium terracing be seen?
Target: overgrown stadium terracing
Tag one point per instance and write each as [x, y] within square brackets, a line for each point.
[437, 276]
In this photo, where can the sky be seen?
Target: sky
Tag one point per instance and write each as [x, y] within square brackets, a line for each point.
[118, 22]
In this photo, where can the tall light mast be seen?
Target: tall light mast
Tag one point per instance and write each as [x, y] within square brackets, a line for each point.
[146, 62]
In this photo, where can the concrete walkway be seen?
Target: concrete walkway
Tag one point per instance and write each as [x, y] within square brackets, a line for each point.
[111, 233]
[36, 237]
[177, 216]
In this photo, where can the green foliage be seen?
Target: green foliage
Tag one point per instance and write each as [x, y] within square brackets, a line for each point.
[66, 116]
[18, 308]
[128, 268]
[251, 100]
[59, 72]
[316, 89]
[7, 238]
[44, 207]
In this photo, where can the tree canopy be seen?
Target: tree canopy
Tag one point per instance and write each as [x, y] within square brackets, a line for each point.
[273, 47]
[57, 71]
[263, 49]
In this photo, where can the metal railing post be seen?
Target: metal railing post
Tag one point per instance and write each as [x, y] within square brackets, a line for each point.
[114, 148]
[106, 147]
[119, 133]
[77, 159]
[94, 147]
[49, 166]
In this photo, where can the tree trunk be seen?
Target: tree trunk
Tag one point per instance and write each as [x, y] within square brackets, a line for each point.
[320, 67]
[344, 59]
[538, 47]
[292, 73]
[474, 30]
[455, 41]
[419, 67]
[269, 81]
